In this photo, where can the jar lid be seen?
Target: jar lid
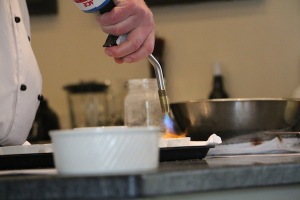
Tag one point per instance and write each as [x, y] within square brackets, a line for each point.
[146, 82]
[85, 87]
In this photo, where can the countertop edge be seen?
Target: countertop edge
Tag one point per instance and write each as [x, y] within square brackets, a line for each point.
[159, 183]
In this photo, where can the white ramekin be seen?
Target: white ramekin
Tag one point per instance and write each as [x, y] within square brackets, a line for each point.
[106, 150]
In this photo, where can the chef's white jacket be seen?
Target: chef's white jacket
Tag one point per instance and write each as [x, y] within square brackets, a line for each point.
[20, 78]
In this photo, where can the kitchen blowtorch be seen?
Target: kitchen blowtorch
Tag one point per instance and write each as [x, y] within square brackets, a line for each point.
[103, 6]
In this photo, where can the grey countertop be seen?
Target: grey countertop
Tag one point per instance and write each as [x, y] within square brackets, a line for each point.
[176, 177]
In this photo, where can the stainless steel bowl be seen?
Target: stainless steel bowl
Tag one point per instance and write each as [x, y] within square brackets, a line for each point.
[236, 117]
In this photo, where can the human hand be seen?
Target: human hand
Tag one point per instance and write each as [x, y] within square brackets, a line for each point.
[136, 19]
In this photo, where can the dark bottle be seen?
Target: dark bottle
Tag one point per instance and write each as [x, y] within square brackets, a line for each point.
[45, 120]
[218, 91]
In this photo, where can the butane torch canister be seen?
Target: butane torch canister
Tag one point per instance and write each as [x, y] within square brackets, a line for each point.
[95, 5]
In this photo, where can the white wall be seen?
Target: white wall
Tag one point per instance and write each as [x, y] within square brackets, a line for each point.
[256, 41]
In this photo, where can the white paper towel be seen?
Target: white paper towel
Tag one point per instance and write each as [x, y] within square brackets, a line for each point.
[275, 145]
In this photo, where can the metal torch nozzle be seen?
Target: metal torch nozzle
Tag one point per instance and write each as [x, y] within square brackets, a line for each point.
[163, 98]
[164, 102]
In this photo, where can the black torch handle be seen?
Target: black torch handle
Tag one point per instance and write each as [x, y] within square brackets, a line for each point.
[111, 40]
[108, 7]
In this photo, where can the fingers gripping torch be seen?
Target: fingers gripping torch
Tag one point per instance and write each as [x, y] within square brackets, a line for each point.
[103, 6]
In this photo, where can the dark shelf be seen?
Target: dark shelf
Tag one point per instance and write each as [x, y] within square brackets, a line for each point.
[42, 7]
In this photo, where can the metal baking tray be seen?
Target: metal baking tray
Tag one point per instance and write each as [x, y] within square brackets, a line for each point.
[183, 153]
[45, 160]
[26, 161]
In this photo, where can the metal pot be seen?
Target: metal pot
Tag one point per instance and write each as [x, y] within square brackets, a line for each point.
[230, 118]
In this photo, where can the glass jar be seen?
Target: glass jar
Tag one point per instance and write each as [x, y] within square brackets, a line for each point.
[142, 106]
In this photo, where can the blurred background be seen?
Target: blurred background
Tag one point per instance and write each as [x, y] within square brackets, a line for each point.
[256, 42]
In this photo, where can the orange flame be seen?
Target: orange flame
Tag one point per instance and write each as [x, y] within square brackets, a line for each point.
[170, 129]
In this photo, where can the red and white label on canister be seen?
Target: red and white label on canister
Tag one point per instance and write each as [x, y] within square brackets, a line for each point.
[90, 5]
